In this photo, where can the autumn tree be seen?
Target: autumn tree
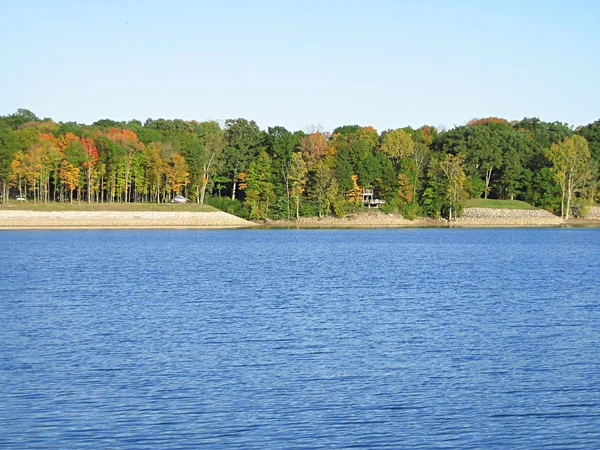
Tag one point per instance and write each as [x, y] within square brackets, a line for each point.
[69, 176]
[397, 144]
[154, 168]
[314, 146]
[129, 144]
[177, 174]
[90, 161]
[8, 148]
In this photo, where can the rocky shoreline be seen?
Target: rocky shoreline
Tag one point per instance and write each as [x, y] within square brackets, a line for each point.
[368, 219]
[594, 213]
[472, 217]
[506, 217]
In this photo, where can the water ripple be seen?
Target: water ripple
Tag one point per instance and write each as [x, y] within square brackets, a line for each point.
[429, 338]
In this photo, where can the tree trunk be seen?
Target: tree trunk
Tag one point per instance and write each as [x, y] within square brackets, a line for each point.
[286, 178]
[233, 189]
[203, 191]
[569, 195]
[562, 203]
[488, 176]
[89, 185]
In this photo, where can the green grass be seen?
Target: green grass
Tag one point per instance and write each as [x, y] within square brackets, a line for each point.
[29, 206]
[497, 204]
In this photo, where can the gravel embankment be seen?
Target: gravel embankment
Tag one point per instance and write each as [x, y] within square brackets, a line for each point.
[508, 217]
[119, 219]
[472, 217]
[594, 213]
[361, 220]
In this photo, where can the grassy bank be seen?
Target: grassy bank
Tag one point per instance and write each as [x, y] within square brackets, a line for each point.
[497, 204]
[166, 207]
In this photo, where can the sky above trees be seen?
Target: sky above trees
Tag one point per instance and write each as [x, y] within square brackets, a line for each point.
[382, 63]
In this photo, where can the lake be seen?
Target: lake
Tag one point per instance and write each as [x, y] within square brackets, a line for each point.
[398, 338]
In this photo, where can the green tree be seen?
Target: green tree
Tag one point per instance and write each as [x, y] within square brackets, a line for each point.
[571, 167]
[298, 179]
[446, 193]
[324, 185]
[260, 190]
[281, 144]
[19, 118]
[243, 139]
[591, 133]
[213, 143]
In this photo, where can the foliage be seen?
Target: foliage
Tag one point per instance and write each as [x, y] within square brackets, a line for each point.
[397, 144]
[279, 173]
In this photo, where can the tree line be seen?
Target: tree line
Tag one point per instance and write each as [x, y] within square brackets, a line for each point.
[281, 174]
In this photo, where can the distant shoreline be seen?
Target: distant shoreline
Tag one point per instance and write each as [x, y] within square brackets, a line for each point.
[471, 218]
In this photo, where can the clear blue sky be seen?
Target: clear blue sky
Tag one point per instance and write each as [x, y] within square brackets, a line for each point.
[383, 63]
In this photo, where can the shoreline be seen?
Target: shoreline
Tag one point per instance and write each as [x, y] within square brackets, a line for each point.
[121, 220]
[23, 219]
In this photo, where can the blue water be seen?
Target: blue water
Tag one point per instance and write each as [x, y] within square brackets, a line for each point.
[410, 338]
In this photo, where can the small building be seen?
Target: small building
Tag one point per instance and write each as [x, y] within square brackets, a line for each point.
[369, 200]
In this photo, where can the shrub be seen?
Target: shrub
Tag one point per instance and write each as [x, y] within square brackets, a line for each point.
[234, 207]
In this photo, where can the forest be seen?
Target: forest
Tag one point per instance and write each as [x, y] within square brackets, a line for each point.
[281, 174]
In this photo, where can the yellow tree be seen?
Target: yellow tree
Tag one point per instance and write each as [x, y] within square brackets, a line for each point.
[155, 167]
[397, 144]
[50, 154]
[177, 173]
[368, 135]
[19, 173]
[69, 177]
[454, 186]
[570, 165]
